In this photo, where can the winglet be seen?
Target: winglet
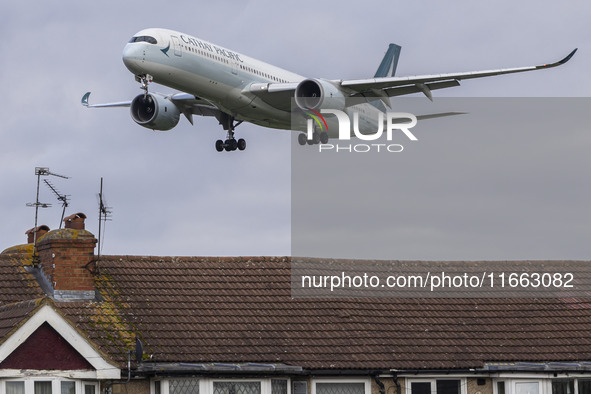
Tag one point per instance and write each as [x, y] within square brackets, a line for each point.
[567, 58]
[560, 62]
[85, 99]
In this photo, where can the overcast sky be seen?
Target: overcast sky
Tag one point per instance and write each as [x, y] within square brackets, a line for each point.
[172, 193]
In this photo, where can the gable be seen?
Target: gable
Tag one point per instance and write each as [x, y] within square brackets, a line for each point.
[45, 349]
[44, 341]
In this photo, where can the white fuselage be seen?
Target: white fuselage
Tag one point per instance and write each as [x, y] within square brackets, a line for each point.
[219, 75]
[211, 72]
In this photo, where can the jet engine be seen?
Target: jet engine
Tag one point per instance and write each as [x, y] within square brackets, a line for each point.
[318, 94]
[155, 111]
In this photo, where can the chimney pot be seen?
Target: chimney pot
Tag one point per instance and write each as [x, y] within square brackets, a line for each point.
[41, 230]
[75, 221]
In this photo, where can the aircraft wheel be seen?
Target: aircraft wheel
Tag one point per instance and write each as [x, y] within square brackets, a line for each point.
[233, 144]
[324, 137]
[241, 144]
[302, 139]
[227, 145]
[315, 138]
[219, 145]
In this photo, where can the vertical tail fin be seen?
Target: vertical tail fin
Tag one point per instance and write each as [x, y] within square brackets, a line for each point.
[390, 61]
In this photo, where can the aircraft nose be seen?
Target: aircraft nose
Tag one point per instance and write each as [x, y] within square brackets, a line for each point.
[133, 57]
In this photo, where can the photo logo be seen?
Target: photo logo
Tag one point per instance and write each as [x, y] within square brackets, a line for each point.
[367, 129]
[318, 118]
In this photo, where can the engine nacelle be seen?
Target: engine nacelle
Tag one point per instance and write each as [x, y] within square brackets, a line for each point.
[317, 94]
[155, 112]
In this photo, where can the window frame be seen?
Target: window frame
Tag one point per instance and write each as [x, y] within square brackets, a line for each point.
[206, 383]
[545, 382]
[366, 382]
[29, 382]
[433, 382]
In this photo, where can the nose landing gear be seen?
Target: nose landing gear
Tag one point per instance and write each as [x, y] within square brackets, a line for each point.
[144, 79]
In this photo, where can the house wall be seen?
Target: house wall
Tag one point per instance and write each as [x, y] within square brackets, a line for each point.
[133, 387]
[474, 388]
[389, 386]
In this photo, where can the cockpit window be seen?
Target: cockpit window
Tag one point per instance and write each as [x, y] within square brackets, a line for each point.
[148, 39]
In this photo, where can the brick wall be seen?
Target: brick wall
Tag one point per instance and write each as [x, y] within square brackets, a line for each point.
[67, 259]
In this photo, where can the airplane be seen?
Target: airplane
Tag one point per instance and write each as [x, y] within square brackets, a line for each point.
[234, 88]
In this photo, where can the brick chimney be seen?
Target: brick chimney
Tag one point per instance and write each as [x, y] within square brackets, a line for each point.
[66, 259]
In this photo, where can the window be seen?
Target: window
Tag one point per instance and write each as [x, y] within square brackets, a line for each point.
[340, 388]
[42, 387]
[183, 386]
[566, 386]
[527, 387]
[148, 39]
[584, 386]
[218, 386]
[420, 388]
[501, 387]
[435, 386]
[278, 386]
[236, 388]
[15, 387]
[47, 385]
[68, 387]
[360, 386]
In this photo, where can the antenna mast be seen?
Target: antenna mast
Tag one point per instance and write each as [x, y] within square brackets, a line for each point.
[40, 171]
[104, 215]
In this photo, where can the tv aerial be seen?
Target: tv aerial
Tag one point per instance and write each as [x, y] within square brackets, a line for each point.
[42, 171]
[60, 197]
[105, 213]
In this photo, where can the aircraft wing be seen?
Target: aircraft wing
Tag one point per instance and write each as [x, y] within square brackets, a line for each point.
[188, 104]
[397, 86]
[279, 94]
[118, 104]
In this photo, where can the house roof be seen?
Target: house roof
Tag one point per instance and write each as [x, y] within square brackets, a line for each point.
[17, 283]
[12, 316]
[240, 310]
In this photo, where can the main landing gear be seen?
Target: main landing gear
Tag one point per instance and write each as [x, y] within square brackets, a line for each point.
[230, 144]
[317, 138]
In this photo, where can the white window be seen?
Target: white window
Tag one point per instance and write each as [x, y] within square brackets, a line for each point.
[334, 386]
[279, 386]
[527, 388]
[542, 386]
[183, 386]
[47, 385]
[218, 386]
[68, 387]
[17, 387]
[436, 386]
